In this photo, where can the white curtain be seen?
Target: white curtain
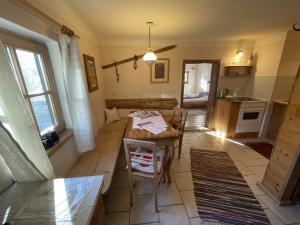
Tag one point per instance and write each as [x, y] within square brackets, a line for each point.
[19, 164]
[16, 117]
[77, 113]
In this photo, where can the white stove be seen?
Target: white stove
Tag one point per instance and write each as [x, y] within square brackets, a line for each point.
[251, 114]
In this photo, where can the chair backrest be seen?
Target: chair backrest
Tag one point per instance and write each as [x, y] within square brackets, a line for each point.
[179, 118]
[150, 159]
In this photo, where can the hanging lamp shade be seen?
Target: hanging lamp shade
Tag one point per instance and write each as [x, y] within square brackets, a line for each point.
[149, 56]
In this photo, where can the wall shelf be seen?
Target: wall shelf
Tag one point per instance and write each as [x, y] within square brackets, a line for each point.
[237, 70]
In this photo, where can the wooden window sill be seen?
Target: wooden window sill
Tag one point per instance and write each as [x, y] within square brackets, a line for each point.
[63, 138]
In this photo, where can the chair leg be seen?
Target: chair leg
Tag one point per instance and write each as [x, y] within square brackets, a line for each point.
[155, 195]
[180, 146]
[131, 189]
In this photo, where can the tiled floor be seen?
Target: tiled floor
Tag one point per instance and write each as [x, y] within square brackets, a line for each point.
[176, 201]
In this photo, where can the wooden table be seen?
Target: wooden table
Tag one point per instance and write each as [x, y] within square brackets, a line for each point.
[165, 138]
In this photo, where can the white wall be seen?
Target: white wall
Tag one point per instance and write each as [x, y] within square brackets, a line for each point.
[64, 159]
[6, 178]
[136, 83]
[268, 51]
[288, 67]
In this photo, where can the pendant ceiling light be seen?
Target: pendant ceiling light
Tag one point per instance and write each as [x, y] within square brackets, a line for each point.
[149, 57]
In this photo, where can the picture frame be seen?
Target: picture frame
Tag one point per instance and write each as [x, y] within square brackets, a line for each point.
[90, 71]
[159, 71]
[186, 77]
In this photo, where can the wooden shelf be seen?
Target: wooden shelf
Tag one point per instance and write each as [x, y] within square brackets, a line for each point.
[237, 70]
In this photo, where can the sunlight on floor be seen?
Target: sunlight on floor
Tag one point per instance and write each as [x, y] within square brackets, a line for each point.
[222, 136]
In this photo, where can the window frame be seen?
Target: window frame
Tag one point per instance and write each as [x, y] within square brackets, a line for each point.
[14, 42]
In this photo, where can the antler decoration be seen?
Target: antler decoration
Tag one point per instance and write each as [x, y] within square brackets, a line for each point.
[117, 73]
[295, 28]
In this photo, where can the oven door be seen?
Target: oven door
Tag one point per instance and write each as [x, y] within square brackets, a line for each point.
[249, 120]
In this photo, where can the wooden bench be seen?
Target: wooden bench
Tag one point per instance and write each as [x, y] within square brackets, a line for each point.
[102, 160]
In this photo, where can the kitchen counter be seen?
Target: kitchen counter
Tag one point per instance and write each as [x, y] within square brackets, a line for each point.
[239, 99]
[70, 201]
[280, 102]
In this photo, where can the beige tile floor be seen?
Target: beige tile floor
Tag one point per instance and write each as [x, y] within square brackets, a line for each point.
[176, 201]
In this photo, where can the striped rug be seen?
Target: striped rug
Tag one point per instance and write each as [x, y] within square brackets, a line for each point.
[222, 195]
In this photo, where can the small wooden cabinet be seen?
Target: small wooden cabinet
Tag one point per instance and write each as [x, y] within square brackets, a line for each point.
[225, 117]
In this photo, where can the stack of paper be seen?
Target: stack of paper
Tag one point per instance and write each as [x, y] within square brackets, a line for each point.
[155, 124]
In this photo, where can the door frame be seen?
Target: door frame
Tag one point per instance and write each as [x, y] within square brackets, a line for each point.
[215, 73]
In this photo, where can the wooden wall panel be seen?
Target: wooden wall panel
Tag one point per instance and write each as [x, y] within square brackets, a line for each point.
[142, 103]
[276, 120]
[282, 175]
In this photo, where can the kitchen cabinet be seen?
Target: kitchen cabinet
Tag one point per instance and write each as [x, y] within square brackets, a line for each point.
[238, 117]
[225, 117]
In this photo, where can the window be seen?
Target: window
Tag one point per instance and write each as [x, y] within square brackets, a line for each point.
[31, 67]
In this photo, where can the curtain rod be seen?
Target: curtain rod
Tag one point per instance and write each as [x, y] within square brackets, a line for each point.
[64, 29]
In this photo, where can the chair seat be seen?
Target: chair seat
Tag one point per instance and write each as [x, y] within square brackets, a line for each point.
[143, 160]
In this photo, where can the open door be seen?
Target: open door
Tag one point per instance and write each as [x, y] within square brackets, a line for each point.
[199, 89]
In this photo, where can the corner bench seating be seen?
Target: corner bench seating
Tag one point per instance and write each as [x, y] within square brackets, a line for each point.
[102, 160]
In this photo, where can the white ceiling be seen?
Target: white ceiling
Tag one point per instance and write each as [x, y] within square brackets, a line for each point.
[187, 20]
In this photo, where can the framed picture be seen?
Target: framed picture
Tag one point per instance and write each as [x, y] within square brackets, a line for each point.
[159, 71]
[90, 71]
[186, 77]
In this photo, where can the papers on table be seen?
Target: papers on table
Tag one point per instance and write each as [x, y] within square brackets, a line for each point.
[154, 124]
[154, 128]
[144, 114]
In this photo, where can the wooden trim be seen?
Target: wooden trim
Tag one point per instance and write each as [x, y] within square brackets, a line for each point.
[142, 103]
[137, 57]
[215, 72]
[245, 135]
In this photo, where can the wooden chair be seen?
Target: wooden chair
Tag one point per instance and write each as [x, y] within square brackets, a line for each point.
[145, 159]
[178, 122]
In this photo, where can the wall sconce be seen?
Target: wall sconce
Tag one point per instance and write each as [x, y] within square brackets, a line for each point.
[240, 53]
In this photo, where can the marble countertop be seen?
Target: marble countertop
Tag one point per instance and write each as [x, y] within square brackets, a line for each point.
[68, 201]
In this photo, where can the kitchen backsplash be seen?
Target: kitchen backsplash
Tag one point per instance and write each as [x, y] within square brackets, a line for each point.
[263, 87]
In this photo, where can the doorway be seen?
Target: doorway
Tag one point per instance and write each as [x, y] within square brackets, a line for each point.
[198, 92]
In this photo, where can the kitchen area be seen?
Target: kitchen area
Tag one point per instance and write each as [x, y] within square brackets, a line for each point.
[250, 109]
